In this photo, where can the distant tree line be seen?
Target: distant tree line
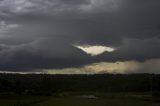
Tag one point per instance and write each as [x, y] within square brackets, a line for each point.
[43, 84]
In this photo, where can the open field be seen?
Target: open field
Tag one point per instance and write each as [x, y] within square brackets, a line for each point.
[79, 90]
[20, 100]
[89, 102]
[80, 100]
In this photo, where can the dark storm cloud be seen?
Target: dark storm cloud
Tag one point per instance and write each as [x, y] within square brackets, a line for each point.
[134, 49]
[40, 34]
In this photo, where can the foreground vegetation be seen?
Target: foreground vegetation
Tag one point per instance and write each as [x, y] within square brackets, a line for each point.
[50, 84]
[79, 90]
[20, 100]
[76, 100]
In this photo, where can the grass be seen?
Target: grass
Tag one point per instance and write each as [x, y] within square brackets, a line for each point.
[26, 100]
[20, 100]
[89, 102]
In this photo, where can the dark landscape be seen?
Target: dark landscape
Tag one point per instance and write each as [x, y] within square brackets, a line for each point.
[87, 90]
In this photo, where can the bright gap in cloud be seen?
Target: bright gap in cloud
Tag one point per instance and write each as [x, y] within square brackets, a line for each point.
[94, 50]
[119, 67]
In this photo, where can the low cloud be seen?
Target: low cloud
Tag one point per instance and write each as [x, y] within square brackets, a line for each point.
[119, 67]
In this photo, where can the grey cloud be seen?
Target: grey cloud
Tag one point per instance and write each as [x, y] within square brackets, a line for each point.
[26, 6]
[134, 49]
[49, 28]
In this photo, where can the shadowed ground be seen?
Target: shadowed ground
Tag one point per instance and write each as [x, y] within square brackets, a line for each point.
[80, 100]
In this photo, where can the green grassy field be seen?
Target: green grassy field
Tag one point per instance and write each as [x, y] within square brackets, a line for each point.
[24, 100]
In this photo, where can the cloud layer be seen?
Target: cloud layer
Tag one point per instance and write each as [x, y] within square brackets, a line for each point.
[39, 34]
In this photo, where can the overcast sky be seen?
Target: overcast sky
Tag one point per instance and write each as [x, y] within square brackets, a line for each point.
[80, 36]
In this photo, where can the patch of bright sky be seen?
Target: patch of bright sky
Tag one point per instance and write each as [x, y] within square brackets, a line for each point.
[95, 50]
